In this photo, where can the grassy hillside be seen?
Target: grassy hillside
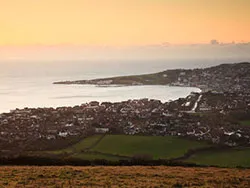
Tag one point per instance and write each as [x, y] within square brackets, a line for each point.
[225, 158]
[155, 146]
[246, 122]
[134, 176]
[93, 156]
[78, 147]
[116, 147]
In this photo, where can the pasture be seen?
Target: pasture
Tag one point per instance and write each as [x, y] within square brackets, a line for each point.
[225, 158]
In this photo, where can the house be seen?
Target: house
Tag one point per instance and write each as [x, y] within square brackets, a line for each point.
[101, 130]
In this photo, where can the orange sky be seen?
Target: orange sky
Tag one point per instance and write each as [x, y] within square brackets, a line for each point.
[122, 22]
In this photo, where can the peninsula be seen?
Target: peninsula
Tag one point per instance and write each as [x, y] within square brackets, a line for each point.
[221, 78]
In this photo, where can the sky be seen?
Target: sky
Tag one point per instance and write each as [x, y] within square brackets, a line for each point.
[122, 22]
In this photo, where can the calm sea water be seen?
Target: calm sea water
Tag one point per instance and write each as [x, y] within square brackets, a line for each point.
[29, 84]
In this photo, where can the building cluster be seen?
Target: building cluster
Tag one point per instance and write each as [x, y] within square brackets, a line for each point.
[232, 78]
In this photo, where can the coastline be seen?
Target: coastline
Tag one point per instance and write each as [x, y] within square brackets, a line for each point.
[76, 95]
[207, 79]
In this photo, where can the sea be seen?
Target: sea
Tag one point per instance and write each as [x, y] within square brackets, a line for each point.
[30, 83]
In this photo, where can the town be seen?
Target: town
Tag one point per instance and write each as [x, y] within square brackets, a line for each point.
[210, 116]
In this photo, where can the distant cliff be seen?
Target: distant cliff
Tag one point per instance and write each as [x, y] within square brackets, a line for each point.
[221, 78]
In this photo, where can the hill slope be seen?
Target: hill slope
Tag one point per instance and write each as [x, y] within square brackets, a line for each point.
[134, 176]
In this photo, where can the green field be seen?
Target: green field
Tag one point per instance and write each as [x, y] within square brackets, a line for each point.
[225, 158]
[115, 147]
[158, 147]
[93, 156]
[246, 122]
[78, 147]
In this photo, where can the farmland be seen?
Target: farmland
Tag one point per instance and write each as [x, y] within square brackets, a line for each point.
[78, 147]
[127, 147]
[225, 158]
[134, 176]
[156, 146]
[115, 147]
[246, 122]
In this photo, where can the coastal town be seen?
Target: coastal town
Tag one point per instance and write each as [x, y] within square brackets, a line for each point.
[214, 116]
[198, 116]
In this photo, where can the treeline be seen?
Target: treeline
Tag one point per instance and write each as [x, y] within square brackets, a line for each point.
[52, 161]
[46, 161]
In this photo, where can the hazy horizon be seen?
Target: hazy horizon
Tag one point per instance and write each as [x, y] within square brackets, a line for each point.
[123, 22]
[235, 52]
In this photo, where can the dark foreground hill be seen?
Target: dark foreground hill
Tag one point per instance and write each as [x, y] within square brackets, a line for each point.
[134, 176]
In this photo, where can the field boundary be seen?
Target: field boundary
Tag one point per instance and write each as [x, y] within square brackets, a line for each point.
[108, 154]
[94, 144]
[192, 152]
